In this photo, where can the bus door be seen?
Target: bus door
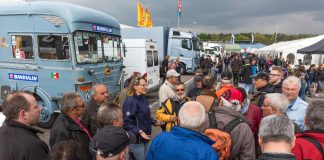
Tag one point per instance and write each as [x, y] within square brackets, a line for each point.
[55, 66]
[152, 65]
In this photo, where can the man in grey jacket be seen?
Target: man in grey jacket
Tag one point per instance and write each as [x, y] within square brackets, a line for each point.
[243, 144]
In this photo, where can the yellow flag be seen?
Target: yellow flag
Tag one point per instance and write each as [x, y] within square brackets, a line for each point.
[140, 15]
[148, 21]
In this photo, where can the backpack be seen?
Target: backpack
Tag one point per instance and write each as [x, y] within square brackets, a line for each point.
[222, 138]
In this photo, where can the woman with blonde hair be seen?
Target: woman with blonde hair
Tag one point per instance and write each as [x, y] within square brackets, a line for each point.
[137, 116]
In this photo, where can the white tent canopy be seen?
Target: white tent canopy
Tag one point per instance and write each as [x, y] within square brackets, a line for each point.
[288, 50]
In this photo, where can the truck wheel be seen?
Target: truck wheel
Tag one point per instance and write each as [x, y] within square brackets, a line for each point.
[47, 119]
[183, 69]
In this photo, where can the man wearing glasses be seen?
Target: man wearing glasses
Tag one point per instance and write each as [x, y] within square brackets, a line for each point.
[68, 124]
[276, 75]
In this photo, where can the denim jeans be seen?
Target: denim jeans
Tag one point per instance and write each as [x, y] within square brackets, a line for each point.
[245, 86]
[318, 87]
[308, 88]
[302, 91]
[139, 150]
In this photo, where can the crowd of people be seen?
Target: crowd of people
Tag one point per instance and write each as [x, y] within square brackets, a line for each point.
[244, 107]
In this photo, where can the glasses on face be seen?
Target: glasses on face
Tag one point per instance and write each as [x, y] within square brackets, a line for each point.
[179, 90]
[143, 85]
[77, 107]
[274, 74]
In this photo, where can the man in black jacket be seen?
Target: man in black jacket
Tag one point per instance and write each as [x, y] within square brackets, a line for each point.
[68, 125]
[18, 138]
[261, 83]
[276, 138]
[99, 95]
[276, 76]
[246, 73]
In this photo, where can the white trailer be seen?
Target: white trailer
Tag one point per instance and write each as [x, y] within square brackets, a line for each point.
[142, 56]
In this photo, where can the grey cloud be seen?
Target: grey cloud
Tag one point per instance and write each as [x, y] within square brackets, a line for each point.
[221, 15]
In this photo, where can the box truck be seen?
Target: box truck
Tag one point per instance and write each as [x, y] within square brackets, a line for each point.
[141, 55]
[184, 45]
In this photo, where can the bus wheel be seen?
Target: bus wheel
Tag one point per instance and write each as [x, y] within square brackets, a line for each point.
[183, 68]
[47, 118]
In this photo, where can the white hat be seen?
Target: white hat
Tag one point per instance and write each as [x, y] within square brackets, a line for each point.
[172, 72]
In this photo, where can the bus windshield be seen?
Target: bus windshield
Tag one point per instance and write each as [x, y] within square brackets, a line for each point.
[112, 48]
[88, 47]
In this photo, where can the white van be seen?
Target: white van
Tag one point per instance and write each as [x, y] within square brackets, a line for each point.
[142, 56]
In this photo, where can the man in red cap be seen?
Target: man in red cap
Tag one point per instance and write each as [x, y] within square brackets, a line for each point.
[227, 113]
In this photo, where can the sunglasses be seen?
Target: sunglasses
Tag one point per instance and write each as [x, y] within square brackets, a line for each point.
[179, 89]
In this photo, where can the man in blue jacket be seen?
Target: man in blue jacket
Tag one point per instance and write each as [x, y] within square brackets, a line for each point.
[184, 141]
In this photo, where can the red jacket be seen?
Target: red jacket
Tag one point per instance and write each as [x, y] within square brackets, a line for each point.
[254, 116]
[305, 149]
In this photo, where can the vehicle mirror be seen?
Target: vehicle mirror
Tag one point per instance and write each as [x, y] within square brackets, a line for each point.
[124, 49]
[60, 51]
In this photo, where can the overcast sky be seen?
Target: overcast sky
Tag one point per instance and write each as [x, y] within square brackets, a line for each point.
[215, 16]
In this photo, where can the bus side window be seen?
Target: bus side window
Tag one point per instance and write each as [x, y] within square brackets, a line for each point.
[50, 45]
[149, 59]
[22, 47]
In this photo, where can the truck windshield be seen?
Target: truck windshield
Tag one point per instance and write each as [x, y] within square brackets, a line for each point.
[88, 47]
[112, 48]
[196, 45]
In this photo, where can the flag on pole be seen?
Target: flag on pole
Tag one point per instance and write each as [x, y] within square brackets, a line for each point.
[148, 20]
[140, 15]
[252, 37]
[233, 38]
[179, 8]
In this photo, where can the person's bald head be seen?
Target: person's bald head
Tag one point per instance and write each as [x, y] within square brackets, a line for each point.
[100, 93]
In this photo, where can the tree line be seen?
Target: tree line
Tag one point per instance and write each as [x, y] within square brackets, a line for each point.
[266, 39]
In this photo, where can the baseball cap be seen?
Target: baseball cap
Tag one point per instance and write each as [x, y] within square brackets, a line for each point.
[233, 94]
[226, 75]
[172, 72]
[261, 75]
[111, 140]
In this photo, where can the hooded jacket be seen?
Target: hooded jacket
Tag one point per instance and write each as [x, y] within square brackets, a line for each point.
[170, 108]
[181, 143]
[19, 141]
[243, 145]
[306, 150]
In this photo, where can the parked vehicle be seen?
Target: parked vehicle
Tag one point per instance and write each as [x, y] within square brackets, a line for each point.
[142, 56]
[51, 48]
[184, 45]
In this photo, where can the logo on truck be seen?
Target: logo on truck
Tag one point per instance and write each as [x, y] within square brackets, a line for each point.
[23, 77]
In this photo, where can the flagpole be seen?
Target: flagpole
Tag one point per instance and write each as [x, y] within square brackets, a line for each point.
[276, 34]
[178, 22]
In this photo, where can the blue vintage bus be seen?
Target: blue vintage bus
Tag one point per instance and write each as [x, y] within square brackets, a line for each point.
[51, 48]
